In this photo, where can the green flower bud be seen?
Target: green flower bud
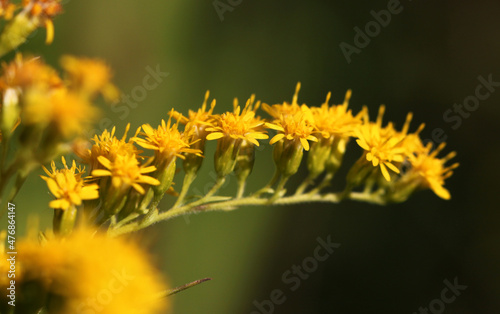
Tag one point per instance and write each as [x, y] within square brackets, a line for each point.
[225, 155]
[288, 156]
[165, 174]
[245, 161]
[318, 157]
[16, 32]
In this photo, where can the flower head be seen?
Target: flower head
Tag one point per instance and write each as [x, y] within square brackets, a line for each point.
[383, 145]
[7, 9]
[166, 140]
[125, 171]
[336, 120]
[66, 111]
[109, 146]
[200, 118]
[432, 170]
[87, 265]
[240, 124]
[27, 73]
[68, 186]
[285, 109]
[90, 76]
[296, 127]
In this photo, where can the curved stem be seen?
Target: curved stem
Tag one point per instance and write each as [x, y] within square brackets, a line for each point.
[188, 180]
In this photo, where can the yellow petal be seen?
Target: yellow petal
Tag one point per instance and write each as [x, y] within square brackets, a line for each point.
[305, 143]
[100, 173]
[392, 167]
[276, 138]
[214, 136]
[385, 173]
[138, 188]
[149, 180]
[62, 204]
[50, 31]
[104, 161]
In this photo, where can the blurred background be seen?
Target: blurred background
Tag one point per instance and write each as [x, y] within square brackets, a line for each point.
[391, 259]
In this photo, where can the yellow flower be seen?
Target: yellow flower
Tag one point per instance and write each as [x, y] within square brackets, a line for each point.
[109, 146]
[28, 72]
[89, 272]
[125, 172]
[239, 124]
[336, 120]
[66, 111]
[90, 76]
[68, 186]
[383, 145]
[432, 170]
[7, 9]
[166, 140]
[285, 109]
[295, 127]
[198, 119]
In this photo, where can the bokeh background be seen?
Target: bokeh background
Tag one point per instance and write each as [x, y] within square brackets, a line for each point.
[392, 259]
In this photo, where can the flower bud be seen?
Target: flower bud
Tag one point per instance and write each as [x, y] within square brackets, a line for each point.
[165, 174]
[245, 161]
[288, 156]
[226, 154]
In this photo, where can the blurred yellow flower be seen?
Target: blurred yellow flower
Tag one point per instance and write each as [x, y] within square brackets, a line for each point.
[68, 113]
[89, 272]
[90, 76]
[68, 186]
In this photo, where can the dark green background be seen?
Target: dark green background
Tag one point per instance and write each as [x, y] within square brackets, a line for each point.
[392, 259]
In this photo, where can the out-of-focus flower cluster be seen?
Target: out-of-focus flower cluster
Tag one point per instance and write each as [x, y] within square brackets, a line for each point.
[41, 113]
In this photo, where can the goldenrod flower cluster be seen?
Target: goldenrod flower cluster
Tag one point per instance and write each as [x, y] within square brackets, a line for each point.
[115, 184]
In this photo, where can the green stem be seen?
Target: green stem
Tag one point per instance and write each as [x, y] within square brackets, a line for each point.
[218, 184]
[279, 189]
[241, 188]
[324, 183]
[266, 188]
[225, 206]
[188, 180]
